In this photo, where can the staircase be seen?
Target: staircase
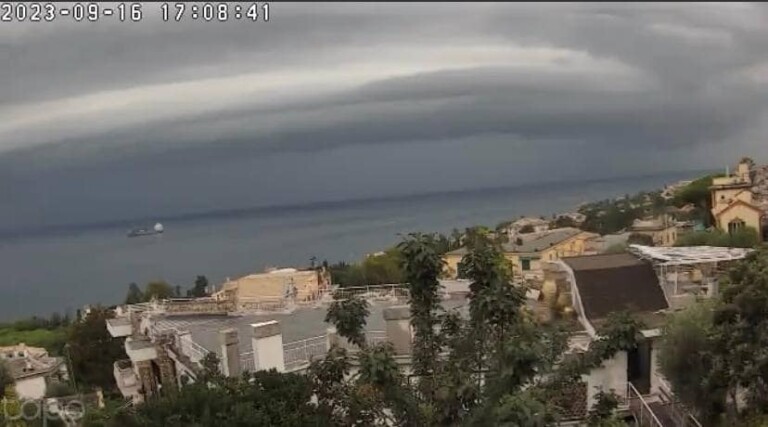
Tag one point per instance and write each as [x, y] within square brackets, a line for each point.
[659, 410]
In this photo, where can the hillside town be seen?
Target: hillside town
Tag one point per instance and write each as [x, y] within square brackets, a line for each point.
[569, 276]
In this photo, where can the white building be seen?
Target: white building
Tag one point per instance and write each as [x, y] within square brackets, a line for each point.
[32, 369]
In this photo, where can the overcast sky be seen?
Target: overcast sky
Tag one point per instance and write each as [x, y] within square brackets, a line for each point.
[337, 101]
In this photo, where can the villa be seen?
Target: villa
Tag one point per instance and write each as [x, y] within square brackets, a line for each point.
[166, 346]
[527, 251]
[275, 285]
[32, 369]
[739, 202]
[662, 230]
[526, 225]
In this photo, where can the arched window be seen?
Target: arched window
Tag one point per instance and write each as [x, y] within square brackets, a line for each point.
[735, 225]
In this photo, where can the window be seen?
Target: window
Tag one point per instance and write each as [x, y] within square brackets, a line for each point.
[525, 263]
[735, 225]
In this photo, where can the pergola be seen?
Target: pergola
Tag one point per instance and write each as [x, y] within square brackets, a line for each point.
[685, 259]
[682, 255]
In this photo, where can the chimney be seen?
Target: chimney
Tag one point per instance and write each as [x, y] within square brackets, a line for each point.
[398, 324]
[267, 345]
[230, 352]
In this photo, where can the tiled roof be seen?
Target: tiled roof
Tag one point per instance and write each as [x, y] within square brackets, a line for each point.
[616, 282]
[23, 367]
[532, 242]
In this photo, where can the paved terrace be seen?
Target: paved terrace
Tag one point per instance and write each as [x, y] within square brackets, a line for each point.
[303, 323]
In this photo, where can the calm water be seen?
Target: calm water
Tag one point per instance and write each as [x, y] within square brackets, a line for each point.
[60, 270]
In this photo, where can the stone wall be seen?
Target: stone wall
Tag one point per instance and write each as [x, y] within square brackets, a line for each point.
[198, 306]
[166, 364]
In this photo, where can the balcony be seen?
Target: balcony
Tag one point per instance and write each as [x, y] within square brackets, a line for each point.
[126, 379]
[140, 350]
[119, 327]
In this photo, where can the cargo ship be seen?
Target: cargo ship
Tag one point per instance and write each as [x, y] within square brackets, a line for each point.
[137, 232]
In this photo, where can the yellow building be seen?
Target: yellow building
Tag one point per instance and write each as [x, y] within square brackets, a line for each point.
[662, 230]
[275, 285]
[733, 206]
[529, 251]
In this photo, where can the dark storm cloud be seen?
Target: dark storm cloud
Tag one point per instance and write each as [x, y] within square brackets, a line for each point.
[492, 88]
[389, 73]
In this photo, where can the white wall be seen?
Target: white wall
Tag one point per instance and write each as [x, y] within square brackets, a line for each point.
[268, 353]
[655, 370]
[31, 387]
[612, 375]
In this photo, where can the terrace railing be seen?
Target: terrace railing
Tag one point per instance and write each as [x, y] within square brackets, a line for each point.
[380, 292]
[299, 353]
[640, 409]
[247, 362]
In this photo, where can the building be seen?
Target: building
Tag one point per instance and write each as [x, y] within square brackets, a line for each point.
[167, 341]
[734, 205]
[527, 251]
[275, 285]
[670, 190]
[165, 345]
[32, 369]
[526, 225]
[602, 284]
[648, 282]
[576, 218]
[662, 230]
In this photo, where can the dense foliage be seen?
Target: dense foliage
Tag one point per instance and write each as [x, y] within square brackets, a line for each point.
[500, 341]
[744, 238]
[49, 333]
[159, 289]
[6, 379]
[715, 357]
[613, 215]
[386, 267]
[92, 350]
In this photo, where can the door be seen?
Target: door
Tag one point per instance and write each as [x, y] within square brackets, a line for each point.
[639, 367]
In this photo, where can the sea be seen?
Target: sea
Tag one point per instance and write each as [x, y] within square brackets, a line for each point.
[61, 269]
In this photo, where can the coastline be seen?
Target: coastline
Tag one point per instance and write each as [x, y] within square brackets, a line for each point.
[66, 269]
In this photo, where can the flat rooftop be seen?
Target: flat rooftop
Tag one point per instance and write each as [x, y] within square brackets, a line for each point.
[688, 254]
[304, 322]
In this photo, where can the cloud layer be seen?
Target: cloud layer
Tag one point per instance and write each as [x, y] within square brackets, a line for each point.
[493, 90]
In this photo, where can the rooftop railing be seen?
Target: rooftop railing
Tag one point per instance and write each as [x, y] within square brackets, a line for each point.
[640, 409]
[299, 353]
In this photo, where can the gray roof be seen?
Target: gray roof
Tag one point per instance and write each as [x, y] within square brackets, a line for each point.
[533, 242]
[541, 241]
[305, 322]
[22, 367]
[615, 282]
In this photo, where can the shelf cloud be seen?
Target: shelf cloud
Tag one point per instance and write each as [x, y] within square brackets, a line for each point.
[636, 87]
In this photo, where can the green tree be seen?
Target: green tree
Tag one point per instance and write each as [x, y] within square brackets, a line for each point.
[134, 295]
[263, 398]
[6, 379]
[603, 413]
[684, 359]
[9, 416]
[422, 266]
[199, 289]
[158, 290]
[640, 239]
[349, 315]
[740, 332]
[744, 238]
[616, 248]
[93, 351]
[714, 353]
[59, 389]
